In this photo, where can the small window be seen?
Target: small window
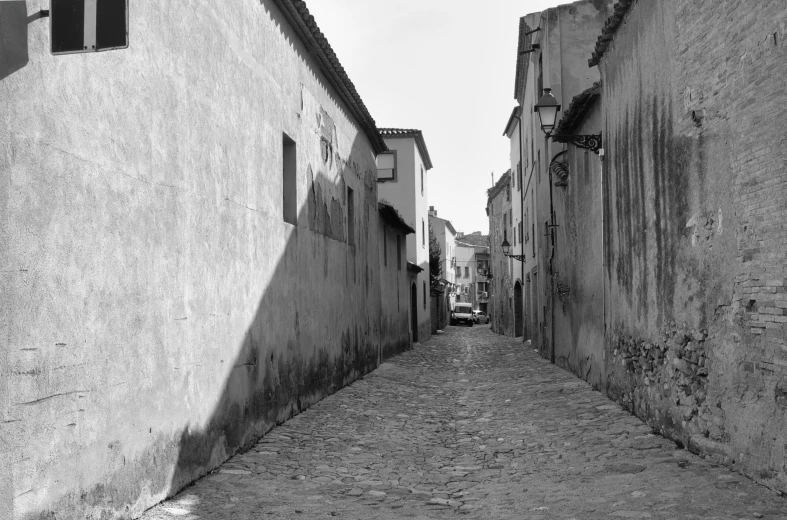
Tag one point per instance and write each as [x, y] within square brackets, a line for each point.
[467, 272]
[88, 25]
[424, 295]
[350, 217]
[386, 166]
[399, 252]
[289, 178]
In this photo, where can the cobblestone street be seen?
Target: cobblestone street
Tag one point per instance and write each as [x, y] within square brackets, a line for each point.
[469, 425]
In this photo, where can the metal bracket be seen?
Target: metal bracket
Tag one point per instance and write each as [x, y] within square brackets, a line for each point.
[521, 258]
[591, 142]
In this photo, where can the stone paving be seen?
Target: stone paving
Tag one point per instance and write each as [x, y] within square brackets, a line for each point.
[469, 425]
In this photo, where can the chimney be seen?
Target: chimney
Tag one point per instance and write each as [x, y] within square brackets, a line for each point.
[432, 211]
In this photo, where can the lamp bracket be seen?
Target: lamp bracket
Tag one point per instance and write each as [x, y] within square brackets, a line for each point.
[521, 258]
[591, 142]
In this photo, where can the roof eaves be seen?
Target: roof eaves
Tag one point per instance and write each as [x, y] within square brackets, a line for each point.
[515, 113]
[393, 217]
[619, 12]
[579, 106]
[397, 133]
[499, 185]
[298, 15]
[413, 268]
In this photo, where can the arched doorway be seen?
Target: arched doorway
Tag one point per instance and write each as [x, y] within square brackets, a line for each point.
[518, 314]
[414, 313]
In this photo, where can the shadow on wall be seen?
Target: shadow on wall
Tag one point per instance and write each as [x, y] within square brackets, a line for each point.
[322, 295]
[13, 36]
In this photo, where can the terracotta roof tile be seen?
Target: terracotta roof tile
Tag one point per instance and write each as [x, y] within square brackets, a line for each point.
[395, 133]
[619, 12]
[579, 106]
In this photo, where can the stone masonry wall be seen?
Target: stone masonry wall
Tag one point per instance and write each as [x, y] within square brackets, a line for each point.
[697, 247]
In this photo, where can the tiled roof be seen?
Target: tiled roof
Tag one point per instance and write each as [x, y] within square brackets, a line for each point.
[298, 15]
[619, 11]
[395, 133]
[499, 185]
[579, 106]
[522, 60]
[393, 217]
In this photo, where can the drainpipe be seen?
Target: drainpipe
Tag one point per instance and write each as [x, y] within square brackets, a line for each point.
[521, 173]
[551, 257]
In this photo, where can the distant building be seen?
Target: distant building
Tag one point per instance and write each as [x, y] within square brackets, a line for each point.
[469, 258]
[499, 211]
[446, 236]
[404, 187]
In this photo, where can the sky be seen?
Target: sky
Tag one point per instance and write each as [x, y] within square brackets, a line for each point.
[445, 67]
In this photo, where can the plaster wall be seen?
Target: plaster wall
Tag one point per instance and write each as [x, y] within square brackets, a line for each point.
[568, 34]
[394, 293]
[694, 107]
[447, 240]
[406, 195]
[502, 285]
[579, 311]
[158, 314]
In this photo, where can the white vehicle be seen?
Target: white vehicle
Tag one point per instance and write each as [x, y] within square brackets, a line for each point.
[480, 317]
[462, 313]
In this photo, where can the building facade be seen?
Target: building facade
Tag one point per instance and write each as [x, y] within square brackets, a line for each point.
[499, 211]
[666, 268]
[695, 256]
[395, 283]
[553, 48]
[195, 247]
[446, 237]
[405, 188]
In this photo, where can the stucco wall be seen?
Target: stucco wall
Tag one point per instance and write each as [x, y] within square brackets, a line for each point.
[568, 33]
[694, 99]
[394, 293]
[159, 313]
[503, 268]
[579, 306]
[405, 195]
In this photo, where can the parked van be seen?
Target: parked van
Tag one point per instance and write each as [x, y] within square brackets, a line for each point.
[462, 313]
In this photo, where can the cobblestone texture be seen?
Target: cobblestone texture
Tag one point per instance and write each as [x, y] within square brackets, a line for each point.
[469, 425]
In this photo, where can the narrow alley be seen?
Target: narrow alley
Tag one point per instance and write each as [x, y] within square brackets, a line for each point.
[469, 425]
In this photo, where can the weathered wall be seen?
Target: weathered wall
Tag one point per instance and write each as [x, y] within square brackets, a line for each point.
[405, 195]
[695, 102]
[158, 313]
[394, 293]
[579, 310]
[504, 270]
[568, 33]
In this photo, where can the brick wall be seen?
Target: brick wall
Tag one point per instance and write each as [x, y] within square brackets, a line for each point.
[694, 98]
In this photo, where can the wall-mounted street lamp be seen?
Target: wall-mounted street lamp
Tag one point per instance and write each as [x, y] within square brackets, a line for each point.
[506, 247]
[547, 109]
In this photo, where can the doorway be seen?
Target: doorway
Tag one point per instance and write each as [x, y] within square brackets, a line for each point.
[518, 314]
[414, 313]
